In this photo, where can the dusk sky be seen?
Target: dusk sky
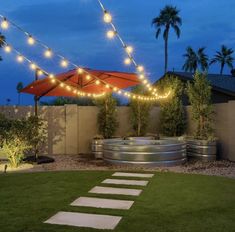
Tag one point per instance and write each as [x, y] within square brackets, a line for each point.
[75, 29]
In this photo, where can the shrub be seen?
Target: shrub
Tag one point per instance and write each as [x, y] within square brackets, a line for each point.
[13, 138]
[172, 114]
[107, 116]
[199, 93]
[140, 111]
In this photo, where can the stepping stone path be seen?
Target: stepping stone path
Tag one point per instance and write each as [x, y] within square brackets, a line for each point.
[126, 182]
[85, 220]
[99, 221]
[102, 203]
[118, 191]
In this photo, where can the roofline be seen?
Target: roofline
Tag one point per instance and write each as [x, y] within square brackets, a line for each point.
[216, 88]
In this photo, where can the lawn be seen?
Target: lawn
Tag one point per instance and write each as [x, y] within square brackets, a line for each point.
[171, 202]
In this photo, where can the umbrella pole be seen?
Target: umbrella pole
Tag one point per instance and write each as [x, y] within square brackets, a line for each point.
[35, 97]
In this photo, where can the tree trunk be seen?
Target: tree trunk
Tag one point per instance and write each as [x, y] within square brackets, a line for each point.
[166, 50]
[222, 69]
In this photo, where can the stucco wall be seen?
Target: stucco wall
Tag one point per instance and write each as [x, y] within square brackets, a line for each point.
[71, 128]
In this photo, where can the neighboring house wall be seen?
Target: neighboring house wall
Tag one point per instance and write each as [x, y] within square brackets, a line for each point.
[71, 128]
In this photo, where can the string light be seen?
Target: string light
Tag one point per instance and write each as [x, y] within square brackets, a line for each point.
[20, 58]
[129, 49]
[97, 82]
[127, 61]
[48, 53]
[64, 63]
[4, 24]
[107, 17]
[107, 86]
[88, 77]
[7, 48]
[80, 70]
[31, 40]
[33, 66]
[40, 72]
[110, 34]
[140, 68]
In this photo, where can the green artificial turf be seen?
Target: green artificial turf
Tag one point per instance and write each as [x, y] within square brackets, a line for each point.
[171, 202]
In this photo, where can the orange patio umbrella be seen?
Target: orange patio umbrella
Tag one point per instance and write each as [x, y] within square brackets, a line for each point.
[44, 87]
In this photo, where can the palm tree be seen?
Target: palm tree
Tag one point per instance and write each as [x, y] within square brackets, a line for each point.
[168, 18]
[19, 87]
[2, 40]
[224, 57]
[194, 59]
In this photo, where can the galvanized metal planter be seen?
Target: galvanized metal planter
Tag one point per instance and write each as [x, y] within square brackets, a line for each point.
[202, 149]
[145, 152]
[97, 148]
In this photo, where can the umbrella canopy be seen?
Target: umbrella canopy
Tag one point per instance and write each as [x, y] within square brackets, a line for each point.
[44, 87]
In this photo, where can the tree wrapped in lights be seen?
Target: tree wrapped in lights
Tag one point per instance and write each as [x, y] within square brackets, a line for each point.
[172, 115]
[107, 116]
[140, 111]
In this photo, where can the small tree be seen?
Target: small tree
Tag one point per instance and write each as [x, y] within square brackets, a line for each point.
[199, 93]
[36, 134]
[172, 114]
[140, 111]
[107, 116]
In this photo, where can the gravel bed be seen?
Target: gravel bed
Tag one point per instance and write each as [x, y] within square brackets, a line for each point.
[87, 162]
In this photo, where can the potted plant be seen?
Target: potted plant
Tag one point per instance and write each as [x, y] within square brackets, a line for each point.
[139, 115]
[203, 144]
[107, 123]
[172, 114]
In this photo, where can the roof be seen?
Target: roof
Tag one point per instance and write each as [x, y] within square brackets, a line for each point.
[221, 83]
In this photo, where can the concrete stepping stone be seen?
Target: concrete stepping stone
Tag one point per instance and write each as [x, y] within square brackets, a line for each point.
[118, 191]
[127, 174]
[85, 220]
[102, 203]
[126, 182]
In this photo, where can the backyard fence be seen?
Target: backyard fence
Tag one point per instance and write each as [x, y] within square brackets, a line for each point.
[71, 127]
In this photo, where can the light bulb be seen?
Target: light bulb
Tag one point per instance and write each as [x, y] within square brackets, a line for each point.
[88, 77]
[127, 61]
[68, 88]
[107, 17]
[48, 53]
[141, 76]
[129, 49]
[53, 80]
[97, 82]
[64, 63]
[107, 86]
[4, 24]
[145, 81]
[7, 48]
[62, 85]
[110, 34]
[80, 70]
[119, 92]
[40, 72]
[140, 68]
[115, 89]
[31, 40]
[33, 66]
[51, 76]
[20, 58]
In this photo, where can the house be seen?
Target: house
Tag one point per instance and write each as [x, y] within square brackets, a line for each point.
[223, 86]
